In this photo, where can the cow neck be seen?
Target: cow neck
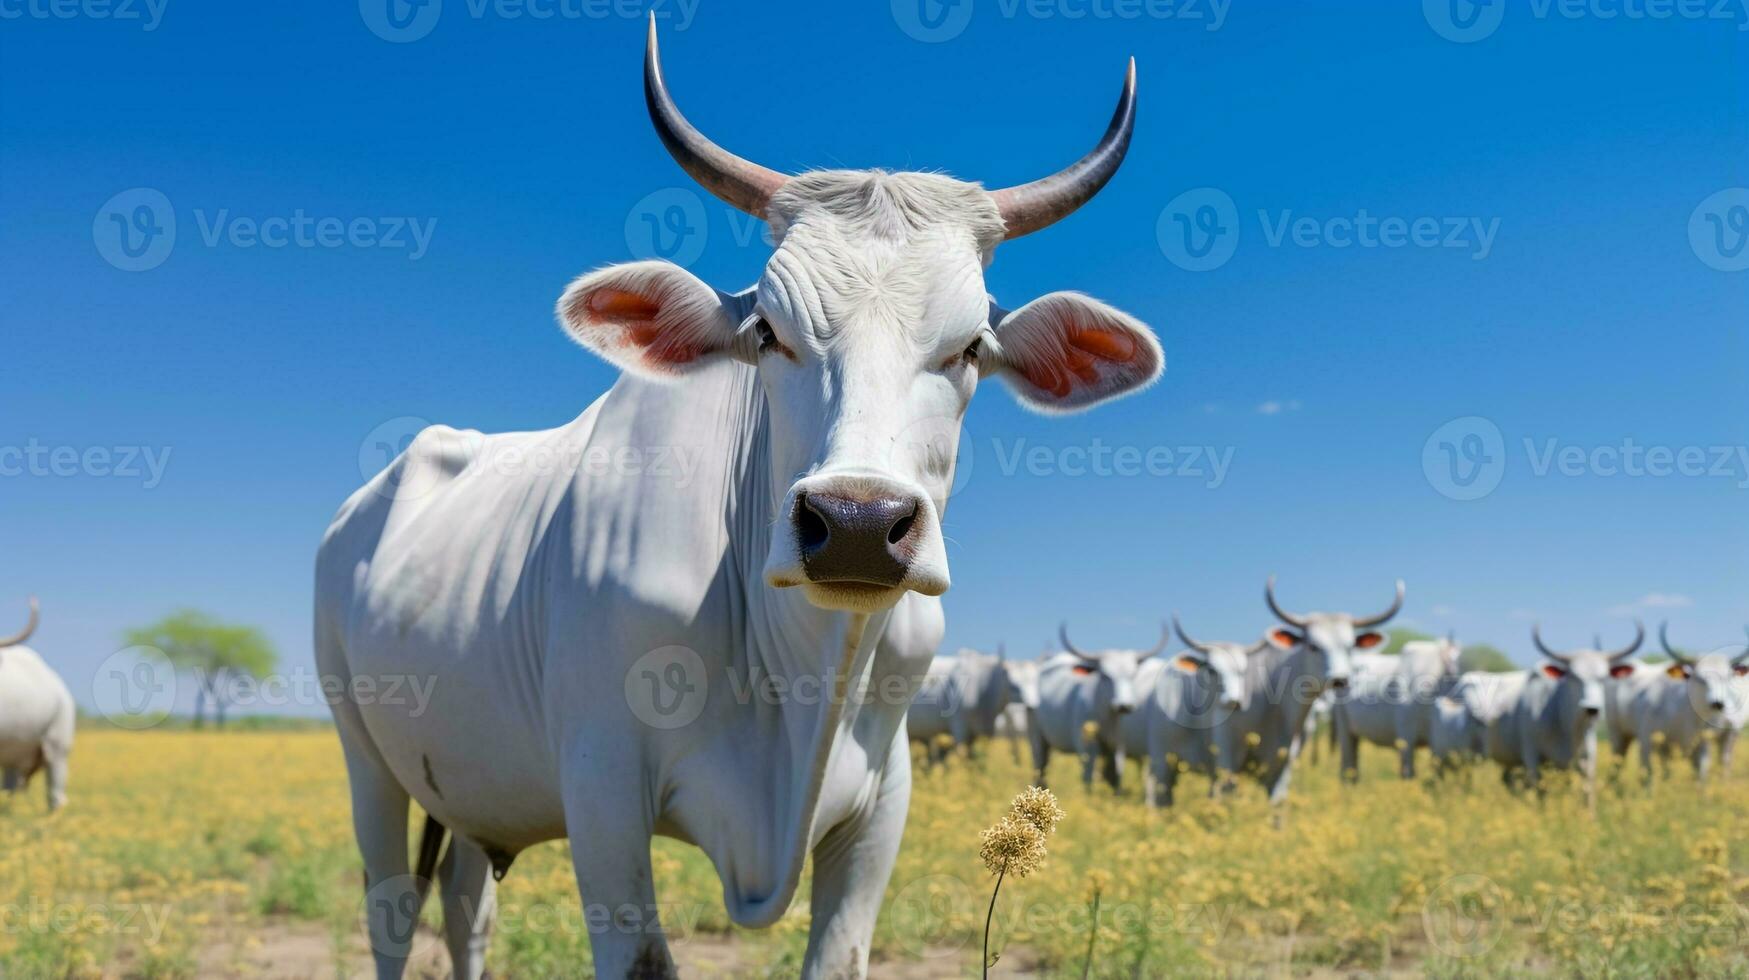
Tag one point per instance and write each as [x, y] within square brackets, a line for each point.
[788, 639]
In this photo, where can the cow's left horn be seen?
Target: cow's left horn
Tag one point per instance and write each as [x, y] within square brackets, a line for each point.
[1628, 651]
[1028, 207]
[1063, 635]
[1198, 647]
[1396, 606]
[1536, 637]
[1664, 641]
[29, 628]
[740, 183]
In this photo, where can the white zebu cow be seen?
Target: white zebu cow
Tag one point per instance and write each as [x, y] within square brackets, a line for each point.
[1554, 719]
[1485, 696]
[1684, 710]
[1180, 722]
[1081, 697]
[962, 697]
[1396, 709]
[726, 658]
[1321, 717]
[36, 717]
[1314, 655]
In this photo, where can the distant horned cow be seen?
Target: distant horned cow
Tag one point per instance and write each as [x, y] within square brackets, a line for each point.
[823, 407]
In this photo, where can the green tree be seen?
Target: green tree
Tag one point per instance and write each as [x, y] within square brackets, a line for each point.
[216, 654]
[1394, 639]
[1481, 656]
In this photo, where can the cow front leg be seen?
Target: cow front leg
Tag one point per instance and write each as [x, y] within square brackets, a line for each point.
[610, 853]
[851, 866]
[469, 902]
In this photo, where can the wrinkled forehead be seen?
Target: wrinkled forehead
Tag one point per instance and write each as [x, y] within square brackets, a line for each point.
[864, 249]
[1331, 629]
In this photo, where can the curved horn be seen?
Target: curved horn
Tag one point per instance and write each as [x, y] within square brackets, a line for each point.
[1628, 651]
[1063, 635]
[1536, 636]
[1664, 641]
[1165, 638]
[1275, 607]
[1396, 607]
[1185, 637]
[29, 628]
[740, 183]
[1028, 207]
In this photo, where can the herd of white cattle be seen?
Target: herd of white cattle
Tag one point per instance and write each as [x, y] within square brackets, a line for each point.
[1221, 709]
[572, 618]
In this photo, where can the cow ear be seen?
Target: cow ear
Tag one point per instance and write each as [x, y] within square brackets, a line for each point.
[1619, 671]
[1368, 640]
[1284, 639]
[1674, 670]
[1741, 670]
[1064, 352]
[1553, 672]
[651, 318]
[1188, 664]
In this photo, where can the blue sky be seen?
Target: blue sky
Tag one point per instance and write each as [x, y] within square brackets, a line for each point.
[487, 154]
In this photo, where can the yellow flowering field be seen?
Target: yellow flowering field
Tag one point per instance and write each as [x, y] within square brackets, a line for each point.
[209, 854]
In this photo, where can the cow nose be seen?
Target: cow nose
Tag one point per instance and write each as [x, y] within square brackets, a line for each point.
[1339, 683]
[869, 541]
[1716, 705]
[1592, 711]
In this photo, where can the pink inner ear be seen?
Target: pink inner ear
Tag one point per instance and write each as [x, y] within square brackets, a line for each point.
[1083, 347]
[641, 318]
[1552, 671]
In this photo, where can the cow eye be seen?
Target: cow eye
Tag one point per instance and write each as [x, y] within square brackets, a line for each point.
[767, 338]
[971, 354]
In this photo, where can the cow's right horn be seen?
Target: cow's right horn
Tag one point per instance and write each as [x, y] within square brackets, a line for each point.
[20, 637]
[741, 183]
[1536, 637]
[1396, 606]
[1628, 651]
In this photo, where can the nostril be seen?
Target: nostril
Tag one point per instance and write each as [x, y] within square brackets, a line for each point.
[898, 531]
[811, 529]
